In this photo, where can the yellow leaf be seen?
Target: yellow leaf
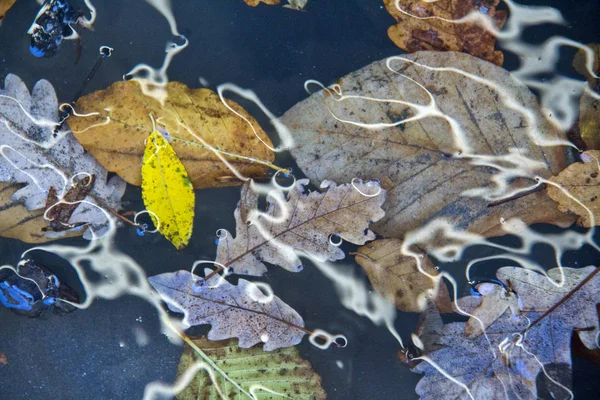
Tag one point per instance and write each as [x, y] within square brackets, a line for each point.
[5, 5]
[167, 191]
[113, 125]
[254, 3]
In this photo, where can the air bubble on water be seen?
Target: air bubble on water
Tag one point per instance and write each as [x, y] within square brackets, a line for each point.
[339, 364]
[264, 337]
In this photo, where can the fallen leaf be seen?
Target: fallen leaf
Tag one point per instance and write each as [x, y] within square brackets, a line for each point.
[299, 221]
[494, 303]
[5, 5]
[59, 212]
[423, 163]
[582, 181]
[241, 311]
[589, 120]
[580, 61]
[167, 191]
[34, 159]
[282, 371]
[506, 361]
[428, 25]
[397, 277]
[254, 3]
[3, 358]
[200, 127]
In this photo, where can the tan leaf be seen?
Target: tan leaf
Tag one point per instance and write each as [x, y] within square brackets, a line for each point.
[5, 5]
[427, 25]
[421, 162]
[580, 65]
[397, 277]
[494, 302]
[582, 181]
[119, 144]
[3, 358]
[515, 349]
[254, 3]
[589, 120]
[299, 221]
[282, 371]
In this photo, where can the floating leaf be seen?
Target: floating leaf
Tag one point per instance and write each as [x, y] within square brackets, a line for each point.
[5, 5]
[397, 277]
[34, 159]
[299, 222]
[433, 25]
[254, 3]
[200, 127]
[282, 371]
[505, 362]
[582, 181]
[427, 164]
[167, 191]
[3, 358]
[297, 5]
[241, 311]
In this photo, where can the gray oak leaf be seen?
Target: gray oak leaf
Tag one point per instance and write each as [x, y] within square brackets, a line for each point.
[504, 363]
[36, 158]
[301, 222]
[241, 310]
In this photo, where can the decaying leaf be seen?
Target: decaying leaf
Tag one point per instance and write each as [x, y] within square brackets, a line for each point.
[432, 25]
[167, 191]
[397, 277]
[5, 5]
[3, 358]
[201, 129]
[59, 212]
[428, 158]
[241, 311]
[299, 221]
[282, 371]
[254, 3]
[34, 159]
[589, 105]
[582, 181]
[505, 362]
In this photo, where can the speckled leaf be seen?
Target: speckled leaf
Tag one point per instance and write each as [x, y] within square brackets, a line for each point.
[303, 222]
[282, 371]
[202, 130]
[497, 364]
[241, 310]
[582, 181]
[33, 159]
[423, 162]
[427, 25]
[397, 277]
[167, 191]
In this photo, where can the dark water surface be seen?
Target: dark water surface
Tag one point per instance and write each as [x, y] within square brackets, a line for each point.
[92, 354]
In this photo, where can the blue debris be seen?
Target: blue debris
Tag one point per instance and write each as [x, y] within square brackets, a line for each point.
[141, 230]
[52, 26]
[288, 174]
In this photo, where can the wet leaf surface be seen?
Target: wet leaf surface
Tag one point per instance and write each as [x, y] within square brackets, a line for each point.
[429, 163]
[582, 183]
[282, 371]
[198, 125]
[506, 361]
[167, 191]
[5, 5]
[241, 310]
[302, 222]
[398, 278]
[427, 25]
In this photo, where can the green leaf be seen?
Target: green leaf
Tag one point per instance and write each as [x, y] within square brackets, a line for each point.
[281, 371]
[167, 191]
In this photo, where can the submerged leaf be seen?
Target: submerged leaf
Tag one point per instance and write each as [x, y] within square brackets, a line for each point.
[201, 129]
[434, 25]
[582, 181]
[282, 371]
[3, 358]
[241, 311]
[167, 191]
[589, 120]
[303, 222]
[34, 158]
[433, 129]
[397, 277]
[505, 363]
